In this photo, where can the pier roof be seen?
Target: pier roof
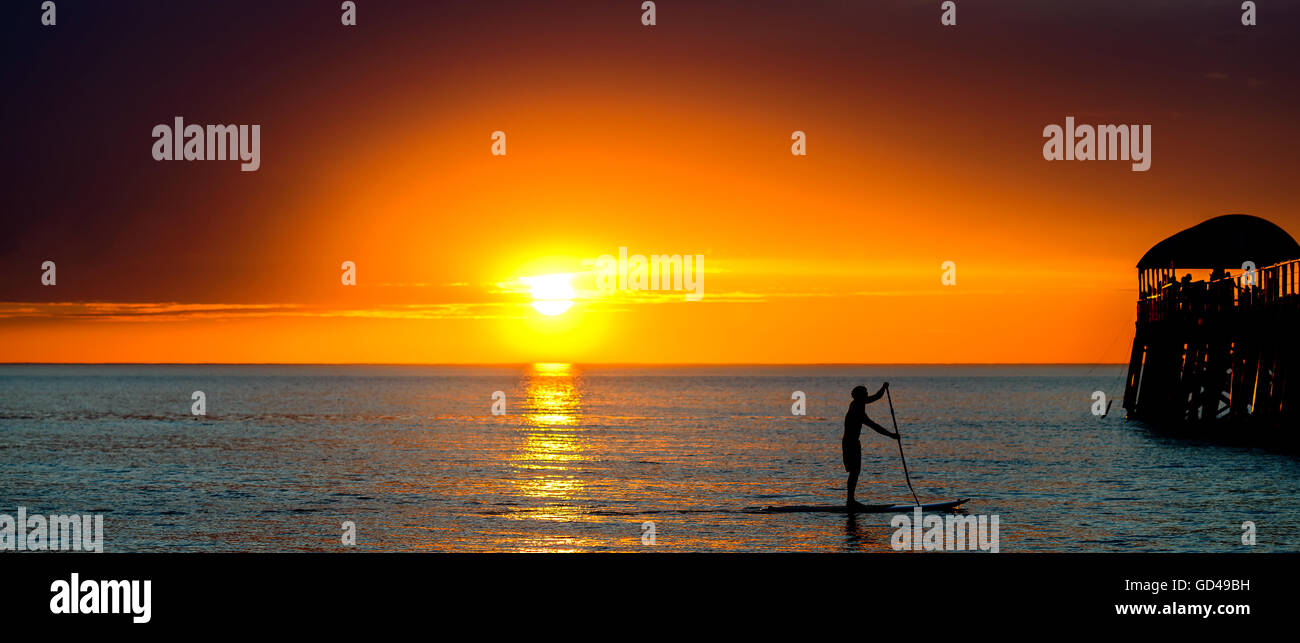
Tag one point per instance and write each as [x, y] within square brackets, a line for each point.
[1223, 242]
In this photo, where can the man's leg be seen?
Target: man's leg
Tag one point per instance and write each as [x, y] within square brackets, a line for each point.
[853, 465]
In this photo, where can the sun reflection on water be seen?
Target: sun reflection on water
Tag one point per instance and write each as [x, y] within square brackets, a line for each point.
[552, 444]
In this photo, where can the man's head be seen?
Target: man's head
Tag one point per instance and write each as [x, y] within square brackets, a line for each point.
[860, 394]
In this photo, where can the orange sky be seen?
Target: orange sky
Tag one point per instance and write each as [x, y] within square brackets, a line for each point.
[666, 140]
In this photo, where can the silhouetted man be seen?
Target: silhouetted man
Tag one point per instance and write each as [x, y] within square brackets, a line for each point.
[853, 421]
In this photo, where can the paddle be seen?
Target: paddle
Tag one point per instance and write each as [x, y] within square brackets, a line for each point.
[899, 440]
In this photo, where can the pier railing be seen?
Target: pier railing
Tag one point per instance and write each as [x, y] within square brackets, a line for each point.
[1275, 286]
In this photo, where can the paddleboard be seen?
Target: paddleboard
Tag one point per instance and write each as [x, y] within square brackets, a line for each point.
[868, 509]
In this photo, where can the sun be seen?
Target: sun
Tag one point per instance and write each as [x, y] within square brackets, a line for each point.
[552, 294]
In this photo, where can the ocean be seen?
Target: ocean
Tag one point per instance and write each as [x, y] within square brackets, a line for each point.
[584, 456]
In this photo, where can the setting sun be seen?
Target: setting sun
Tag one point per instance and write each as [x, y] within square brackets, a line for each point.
[552, 294]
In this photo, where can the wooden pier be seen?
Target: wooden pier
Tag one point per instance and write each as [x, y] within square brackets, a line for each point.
[1218, 357]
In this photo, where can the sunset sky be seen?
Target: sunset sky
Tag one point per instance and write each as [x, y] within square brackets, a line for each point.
[924, 146]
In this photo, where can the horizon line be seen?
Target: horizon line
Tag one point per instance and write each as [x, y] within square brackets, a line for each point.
[529, 363]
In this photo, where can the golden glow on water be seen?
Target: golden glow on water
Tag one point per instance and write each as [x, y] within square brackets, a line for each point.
[553, 368]
[552, 443]
[552, 398]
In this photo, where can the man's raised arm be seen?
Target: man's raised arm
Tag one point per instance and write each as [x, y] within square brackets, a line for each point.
[879, 394]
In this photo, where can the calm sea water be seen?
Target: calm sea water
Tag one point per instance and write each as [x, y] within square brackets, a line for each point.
[584, 455]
